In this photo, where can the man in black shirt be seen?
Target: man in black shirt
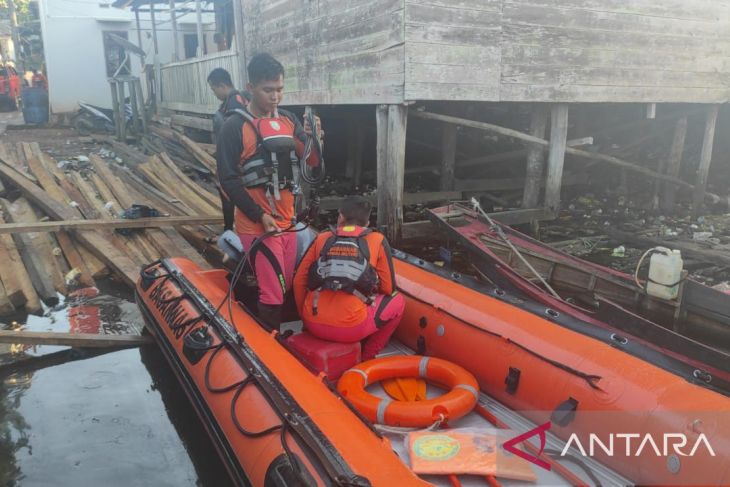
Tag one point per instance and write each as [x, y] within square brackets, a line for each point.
[221, 84]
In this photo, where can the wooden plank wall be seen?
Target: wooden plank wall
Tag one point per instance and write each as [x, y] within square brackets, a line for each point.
[334, 51]
[184, 83]
[453, 49]
[615, 50]
[388, 51]
[571, 50]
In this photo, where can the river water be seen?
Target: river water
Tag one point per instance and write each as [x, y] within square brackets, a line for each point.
[70, 417]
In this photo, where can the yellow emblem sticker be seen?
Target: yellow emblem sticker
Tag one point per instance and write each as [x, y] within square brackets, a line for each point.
[436, 447]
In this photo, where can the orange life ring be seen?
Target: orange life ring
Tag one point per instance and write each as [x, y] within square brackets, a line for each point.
[459, 401]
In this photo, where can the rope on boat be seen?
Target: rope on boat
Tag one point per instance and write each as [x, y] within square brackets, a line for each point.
[501, 234]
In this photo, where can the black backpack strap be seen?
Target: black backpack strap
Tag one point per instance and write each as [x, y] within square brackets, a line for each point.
[364, 248]
[389, 258]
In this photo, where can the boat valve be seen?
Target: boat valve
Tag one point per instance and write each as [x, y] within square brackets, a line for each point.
[196, 344]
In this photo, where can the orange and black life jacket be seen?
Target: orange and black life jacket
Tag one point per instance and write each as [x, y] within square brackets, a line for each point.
[344, 265]
[274, 164]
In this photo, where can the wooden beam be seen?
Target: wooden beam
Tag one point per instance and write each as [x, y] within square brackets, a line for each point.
[6, 306]
[651, 110]
[175, 40]
[123, 109]
[570, 150]
[556, 156]
[45, 168]
[689, 249]
[102, 247]
[488, 184]
[535, 158]
[391, 121]
[37, 253]
[198, 123]
[705, 160]
[116, 109]
[15, 276]
[448, 156]
[240, 38]
[85, 340]
[200, 155]
[674, 163]
[355, 146]
[333, 202]
[426, 229]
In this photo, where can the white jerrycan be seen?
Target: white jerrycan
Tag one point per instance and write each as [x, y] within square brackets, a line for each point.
[665, 273]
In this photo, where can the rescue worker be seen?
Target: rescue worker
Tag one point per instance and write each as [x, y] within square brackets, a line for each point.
[345, 284]
[221, 84]
[257, 154]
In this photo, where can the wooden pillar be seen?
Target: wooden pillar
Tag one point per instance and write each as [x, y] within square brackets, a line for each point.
[173, 21]
[535, 158]
[651, 110]
[240, 41]
[137, 87]
[154, 27]
[705, 159]
[391, 123]
[122, 112]
[199, 25]
[355, 146]
[556, 156]
[136, 124]
[674, 163]
[115, 108]
[139, 32]
[448, 156]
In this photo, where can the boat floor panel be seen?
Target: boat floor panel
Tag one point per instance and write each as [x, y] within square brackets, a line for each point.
[515, 421]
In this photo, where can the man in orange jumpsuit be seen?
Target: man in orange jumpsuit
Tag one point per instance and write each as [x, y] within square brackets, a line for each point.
[345, 285]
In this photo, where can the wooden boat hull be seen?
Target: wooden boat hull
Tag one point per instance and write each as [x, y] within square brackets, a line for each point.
[689, 329]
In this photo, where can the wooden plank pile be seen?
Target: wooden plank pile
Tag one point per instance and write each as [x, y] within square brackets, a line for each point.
[38, 263]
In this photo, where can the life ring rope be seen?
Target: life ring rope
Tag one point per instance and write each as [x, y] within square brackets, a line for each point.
[462, 395]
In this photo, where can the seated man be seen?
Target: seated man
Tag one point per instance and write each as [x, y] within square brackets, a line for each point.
[345, 285]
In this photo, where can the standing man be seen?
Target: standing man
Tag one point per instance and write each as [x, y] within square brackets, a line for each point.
[221, 84]
[257, 153]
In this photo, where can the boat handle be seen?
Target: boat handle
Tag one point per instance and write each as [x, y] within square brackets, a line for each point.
[702, 375]
[619, 339]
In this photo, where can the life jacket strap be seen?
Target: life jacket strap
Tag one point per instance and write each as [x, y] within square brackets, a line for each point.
[315, 302]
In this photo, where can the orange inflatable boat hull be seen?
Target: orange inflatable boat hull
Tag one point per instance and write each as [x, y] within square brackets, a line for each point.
[612, 391]
[272, 418]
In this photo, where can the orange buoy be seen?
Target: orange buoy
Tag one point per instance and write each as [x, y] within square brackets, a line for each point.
[459, 401]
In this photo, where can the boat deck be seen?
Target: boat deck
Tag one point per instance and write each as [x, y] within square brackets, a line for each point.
[512, 419]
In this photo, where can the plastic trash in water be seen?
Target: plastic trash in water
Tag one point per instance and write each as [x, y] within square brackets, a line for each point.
[701, 236]
[619, 251]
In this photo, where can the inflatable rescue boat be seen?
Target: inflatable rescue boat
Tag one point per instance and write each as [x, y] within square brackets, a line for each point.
[278, 416]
